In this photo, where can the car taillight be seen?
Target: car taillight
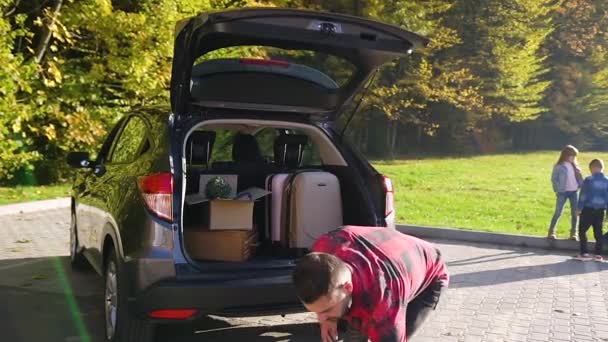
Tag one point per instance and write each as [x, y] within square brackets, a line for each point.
[157, 192]
[390, 196]
[268, 62]
[172, 313]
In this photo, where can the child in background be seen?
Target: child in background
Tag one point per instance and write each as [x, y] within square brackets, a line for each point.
[566, 179]
[592, 205]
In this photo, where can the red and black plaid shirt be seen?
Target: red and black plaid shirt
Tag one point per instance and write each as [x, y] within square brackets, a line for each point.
[389, 270]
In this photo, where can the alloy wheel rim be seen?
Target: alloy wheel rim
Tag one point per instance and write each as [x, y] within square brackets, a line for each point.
[111, 301]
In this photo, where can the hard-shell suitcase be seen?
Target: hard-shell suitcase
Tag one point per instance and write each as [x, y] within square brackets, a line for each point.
[313, 207]
[275, 183]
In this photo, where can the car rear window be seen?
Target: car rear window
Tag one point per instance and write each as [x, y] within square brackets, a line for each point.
[338, 69]
[223, 146]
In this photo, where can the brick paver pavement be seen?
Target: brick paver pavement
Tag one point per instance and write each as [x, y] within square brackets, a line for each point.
[496, 294]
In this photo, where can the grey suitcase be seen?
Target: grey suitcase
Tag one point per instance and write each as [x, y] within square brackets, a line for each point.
[314, 207]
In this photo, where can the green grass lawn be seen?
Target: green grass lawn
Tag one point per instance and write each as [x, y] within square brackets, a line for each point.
[17, 194]
[508, 193]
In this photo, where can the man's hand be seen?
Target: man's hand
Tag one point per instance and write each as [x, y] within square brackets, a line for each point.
[329, 331]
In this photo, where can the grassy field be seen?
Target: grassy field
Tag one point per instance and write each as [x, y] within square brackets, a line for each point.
[32, 193]
[508, 193]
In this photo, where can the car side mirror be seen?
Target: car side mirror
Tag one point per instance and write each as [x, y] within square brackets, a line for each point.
[79, 160]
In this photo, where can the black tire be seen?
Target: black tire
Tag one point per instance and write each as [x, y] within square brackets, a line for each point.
[126, 326]
[77, 260]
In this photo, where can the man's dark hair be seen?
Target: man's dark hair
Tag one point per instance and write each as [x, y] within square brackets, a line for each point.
[597, 163]
[316, 274]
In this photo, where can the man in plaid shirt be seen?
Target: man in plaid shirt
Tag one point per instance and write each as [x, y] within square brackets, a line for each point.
[381, 282]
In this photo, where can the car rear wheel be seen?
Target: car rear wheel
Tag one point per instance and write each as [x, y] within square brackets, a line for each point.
[77, 259]
[121, 325]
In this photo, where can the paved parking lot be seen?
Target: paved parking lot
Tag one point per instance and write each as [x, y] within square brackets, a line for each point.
[496, 294]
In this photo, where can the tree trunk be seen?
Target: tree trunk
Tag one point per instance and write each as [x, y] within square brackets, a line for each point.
[394, 138]
[46, 32]
[391, 135]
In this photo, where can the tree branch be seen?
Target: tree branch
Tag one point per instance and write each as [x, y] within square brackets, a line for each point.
[46, 32]
[12, 10]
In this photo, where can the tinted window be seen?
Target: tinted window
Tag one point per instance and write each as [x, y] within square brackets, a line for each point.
[129, 143]
[338, 69]
[222, 149]
[107, 144]
[311, 155]
[265, 139]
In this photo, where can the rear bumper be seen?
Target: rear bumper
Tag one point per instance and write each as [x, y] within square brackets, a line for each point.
[244, 297]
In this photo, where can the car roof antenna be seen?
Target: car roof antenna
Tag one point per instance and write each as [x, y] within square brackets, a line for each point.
[363, 94]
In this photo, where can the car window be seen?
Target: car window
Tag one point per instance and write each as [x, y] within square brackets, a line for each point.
[103, 152]
[265, 139]
[222, 148]
[130, 142]
[311, 156]
[338, 69]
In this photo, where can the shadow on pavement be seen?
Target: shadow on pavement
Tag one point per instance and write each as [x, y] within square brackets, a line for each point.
[489, 258]
[43, 299]
[521, 273]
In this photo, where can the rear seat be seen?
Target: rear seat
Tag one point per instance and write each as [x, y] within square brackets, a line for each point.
[289, 151]
[198, 153]
[247, 163]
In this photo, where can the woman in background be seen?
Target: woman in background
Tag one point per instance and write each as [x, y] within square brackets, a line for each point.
[567, 179]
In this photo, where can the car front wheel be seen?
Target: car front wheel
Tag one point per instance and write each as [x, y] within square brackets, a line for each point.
[121, 325]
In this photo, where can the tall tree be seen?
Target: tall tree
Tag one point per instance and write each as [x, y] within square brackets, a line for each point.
[578, 98]
[17, 95]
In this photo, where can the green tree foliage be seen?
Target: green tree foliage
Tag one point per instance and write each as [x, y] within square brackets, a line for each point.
[579, 95]
[17, 93]
[103, 59]
[70, 68]
[517, 31]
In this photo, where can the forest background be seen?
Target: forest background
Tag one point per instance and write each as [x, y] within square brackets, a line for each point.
[499, 76]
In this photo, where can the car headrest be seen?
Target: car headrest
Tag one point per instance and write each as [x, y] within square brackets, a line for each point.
[289, 150]
[246, 149]
[199, 147]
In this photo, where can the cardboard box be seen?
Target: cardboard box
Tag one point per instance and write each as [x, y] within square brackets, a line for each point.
[220, 245]
[230, 215]
[235, 212]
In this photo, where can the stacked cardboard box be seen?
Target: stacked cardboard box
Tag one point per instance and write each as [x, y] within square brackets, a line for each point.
[220, 245]
[228, 233]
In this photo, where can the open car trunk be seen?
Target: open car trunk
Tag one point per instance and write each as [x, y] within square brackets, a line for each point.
[314, 198]
[302, 202]
[364, 43]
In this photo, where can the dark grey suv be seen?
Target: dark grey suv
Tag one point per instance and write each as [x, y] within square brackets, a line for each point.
[249, 117]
